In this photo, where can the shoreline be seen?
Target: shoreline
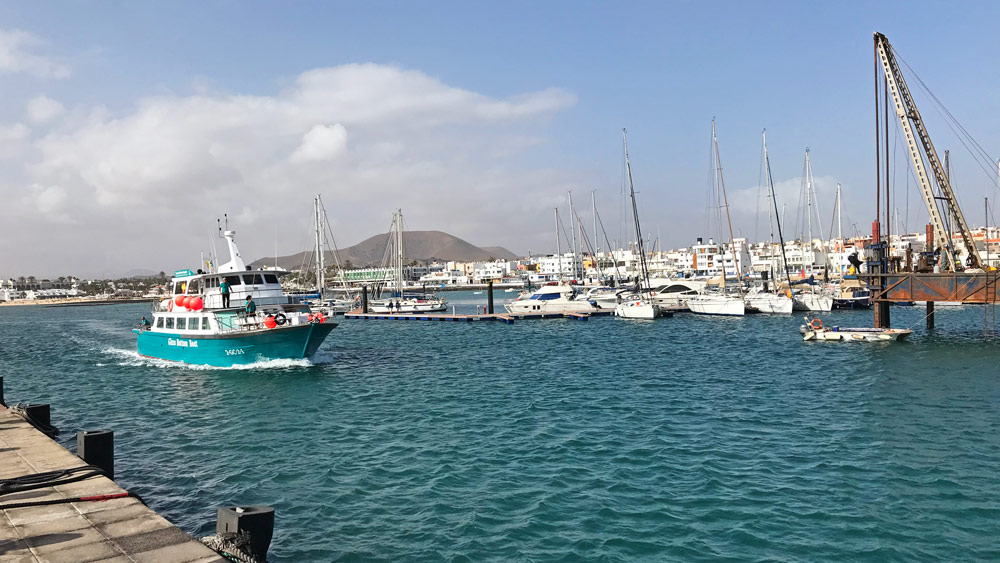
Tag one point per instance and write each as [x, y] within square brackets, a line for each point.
[71, 302]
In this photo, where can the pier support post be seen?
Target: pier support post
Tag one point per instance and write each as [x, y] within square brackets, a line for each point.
[489, 296]
[2, 402]
[97, 448]
[257, 521]
[364, 299]
[930, 315]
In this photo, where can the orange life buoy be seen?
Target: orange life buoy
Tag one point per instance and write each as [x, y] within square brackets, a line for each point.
[816, 324]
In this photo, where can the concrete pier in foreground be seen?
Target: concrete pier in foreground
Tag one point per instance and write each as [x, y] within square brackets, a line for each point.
[116, 530]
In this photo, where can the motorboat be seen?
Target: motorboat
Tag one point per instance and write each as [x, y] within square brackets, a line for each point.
[196, 326]
[814, 330]
[558, 298]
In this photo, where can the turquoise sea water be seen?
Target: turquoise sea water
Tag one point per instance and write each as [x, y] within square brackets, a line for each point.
[684, 439]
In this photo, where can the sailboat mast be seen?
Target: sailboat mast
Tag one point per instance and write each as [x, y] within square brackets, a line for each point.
[319, 252]
[597, 242]
[643, 272]
[558, 249]
[725, 200]
[774, 199]
[809, 198]
[840, 218]
[576, 249]
[399, 252]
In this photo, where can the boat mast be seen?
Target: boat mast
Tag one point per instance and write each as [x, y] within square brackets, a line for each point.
[576, 249]
[732, 242]
[399, 252]
[319, 249]
[597, 242]
[643, 271]
[809, 198]
[774, 200]
[558, 249]
[840, 218]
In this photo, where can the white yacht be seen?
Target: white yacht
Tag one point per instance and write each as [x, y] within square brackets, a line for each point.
[560, 298]
[674, 294]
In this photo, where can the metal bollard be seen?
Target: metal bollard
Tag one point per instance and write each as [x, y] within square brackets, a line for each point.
[489, 296]
[258, 521]
[40, 412]
[97, 448]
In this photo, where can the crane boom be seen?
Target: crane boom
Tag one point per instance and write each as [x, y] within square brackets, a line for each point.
[909, 119]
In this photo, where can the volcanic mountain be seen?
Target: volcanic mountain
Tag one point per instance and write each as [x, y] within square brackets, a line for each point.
[420, 246]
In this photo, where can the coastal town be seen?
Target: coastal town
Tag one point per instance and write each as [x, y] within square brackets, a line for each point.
[706, 259]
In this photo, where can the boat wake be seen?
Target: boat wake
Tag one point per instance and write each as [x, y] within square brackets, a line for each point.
[133, 358]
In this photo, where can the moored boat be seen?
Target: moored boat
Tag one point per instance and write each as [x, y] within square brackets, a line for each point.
[814, 330]
[561, 298]
[196, 326]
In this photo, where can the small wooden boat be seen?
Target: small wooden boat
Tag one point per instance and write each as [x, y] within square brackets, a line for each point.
[814, 330]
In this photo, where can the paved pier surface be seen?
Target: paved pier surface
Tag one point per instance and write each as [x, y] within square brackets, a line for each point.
[120, 530]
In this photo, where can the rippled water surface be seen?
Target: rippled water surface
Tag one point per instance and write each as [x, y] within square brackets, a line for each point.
[691, 438]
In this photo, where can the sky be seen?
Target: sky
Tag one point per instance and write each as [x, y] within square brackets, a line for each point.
[128, 128]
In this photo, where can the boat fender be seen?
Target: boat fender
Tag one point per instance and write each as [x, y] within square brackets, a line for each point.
[280, 319]
[816, 324]
[319, 318]
[170, 305]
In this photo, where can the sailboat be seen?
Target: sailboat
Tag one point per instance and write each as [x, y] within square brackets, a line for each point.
[720, 303]
[761, 297]
[326, 304]
[400, 301]
[807, 297]
[638, 305]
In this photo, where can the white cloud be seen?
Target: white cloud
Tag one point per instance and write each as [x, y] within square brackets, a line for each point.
[322, 142]
[155, 179]
[17, 56]
[13, 132]
[43, 108]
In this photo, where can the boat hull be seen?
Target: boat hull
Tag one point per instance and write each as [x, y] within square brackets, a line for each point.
[838, 334]
[226, 350]
[770, 303]
[812, 302]
[717, 305]
[633, 309]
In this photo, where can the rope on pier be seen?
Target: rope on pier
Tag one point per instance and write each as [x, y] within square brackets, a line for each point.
[234, 546]
[48, 479]
[21, 410]
[91, 498]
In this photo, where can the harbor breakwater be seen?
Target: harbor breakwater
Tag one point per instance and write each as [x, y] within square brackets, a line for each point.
[688, 438]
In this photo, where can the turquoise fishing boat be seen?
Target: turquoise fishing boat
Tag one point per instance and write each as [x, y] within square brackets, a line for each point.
[196, 324]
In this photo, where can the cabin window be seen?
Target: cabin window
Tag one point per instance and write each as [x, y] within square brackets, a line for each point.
[251, 279]
[194, 288]
[159, 322]
[270, 278]
[181, 323]
[233, 280]
[170, 323]
[204, 323]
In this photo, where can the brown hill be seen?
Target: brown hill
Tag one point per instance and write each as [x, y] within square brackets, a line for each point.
[420, 246]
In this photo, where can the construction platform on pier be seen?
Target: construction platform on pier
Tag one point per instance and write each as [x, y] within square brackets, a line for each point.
[506, 318]
[77, 521]
[966, 287]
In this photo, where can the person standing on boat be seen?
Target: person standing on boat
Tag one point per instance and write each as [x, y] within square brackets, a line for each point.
[250, 308]
[224, 290]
